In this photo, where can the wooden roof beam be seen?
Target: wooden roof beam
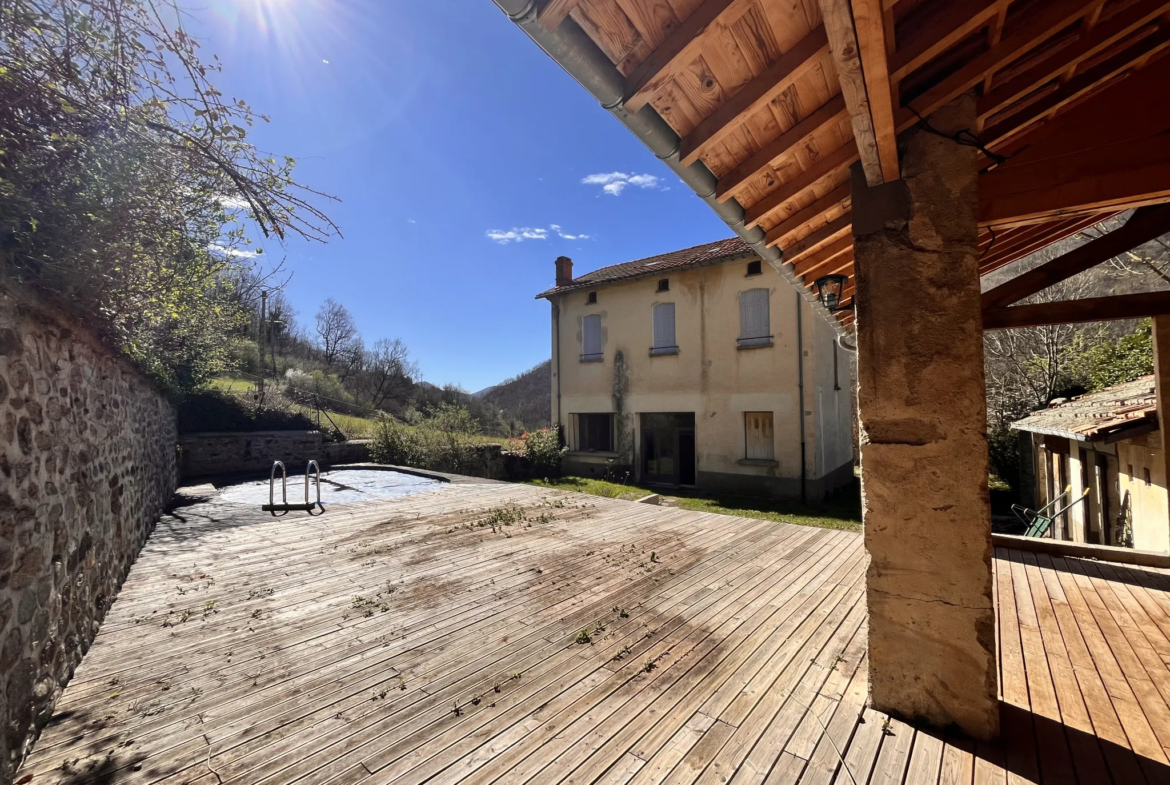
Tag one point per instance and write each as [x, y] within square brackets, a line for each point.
[1092, 309]
[869, 24]
[847, 61]
[680, 47]
[1143, 226]
[842, 195]
[1095, 41]
[754, 95]
[818, 258]
[1076, 87]
[1051, 19]
[950, 23]
[833, 230]
[827, 115]
[1051, 233]
[825, 166]
[555, 12]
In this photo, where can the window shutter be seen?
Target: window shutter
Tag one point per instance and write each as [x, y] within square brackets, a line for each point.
[759, 436]
[753, 314]
[591, 338]
[664, 326]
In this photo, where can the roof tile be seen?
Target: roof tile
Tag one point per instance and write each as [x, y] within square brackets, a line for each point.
[1094, 416]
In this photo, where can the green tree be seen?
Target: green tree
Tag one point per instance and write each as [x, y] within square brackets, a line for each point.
[1109, 363]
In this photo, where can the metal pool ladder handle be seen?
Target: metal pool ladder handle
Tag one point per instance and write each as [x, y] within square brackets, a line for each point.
[284, 506]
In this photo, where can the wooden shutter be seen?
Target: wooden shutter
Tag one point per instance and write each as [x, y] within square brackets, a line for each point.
[664, 326]
[591, 336]
[760, 439]
[753, 315]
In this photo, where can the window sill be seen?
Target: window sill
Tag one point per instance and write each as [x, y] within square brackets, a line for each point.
[664, 351]
[592, 358]
[591, 454]
[758, 462]
[756, 343]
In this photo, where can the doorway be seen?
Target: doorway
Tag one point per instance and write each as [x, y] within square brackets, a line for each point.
[668, 448]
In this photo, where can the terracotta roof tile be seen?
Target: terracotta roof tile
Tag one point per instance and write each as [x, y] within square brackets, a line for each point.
[711, 253]
[1097, 416]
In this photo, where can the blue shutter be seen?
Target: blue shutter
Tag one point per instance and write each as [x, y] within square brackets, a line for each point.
[664, 329]
[591, 337]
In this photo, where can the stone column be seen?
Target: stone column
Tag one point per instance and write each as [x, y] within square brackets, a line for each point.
[924, 461]
[1162, 390]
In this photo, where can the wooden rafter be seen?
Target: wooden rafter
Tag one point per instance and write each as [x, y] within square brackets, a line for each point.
[789, 67]
[817, 258]
[681, 46]
[827, 115]
[1143, 226]
[1096, 40]
[950, 23]
[555, 12]
[871, 43]
[835, 198]
[847, 60]
[1053, 232]
[1077, 87]
[1092, 309]
[831, 231]
[1054, 17]
[825, 166]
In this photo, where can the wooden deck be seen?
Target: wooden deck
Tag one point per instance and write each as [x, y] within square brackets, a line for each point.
[438, 638]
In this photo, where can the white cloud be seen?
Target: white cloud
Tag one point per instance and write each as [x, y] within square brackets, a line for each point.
[520, 234]
[238, 253]
[613, 183]
[326, 62]
[517, 235]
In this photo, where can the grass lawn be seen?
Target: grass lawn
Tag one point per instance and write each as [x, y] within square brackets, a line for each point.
[842, 510]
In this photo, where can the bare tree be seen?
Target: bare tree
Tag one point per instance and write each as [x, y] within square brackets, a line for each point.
[336, 332]
[389, 372]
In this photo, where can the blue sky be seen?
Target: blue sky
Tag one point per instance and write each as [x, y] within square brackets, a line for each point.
[438, 124]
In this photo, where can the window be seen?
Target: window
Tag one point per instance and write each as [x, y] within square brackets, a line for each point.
[755, 268]
[591, 339]
[664, 342]
[595, 432]
[591, 298]
[759, 439]
[754, 324]
[1145, 475]
[664, 285]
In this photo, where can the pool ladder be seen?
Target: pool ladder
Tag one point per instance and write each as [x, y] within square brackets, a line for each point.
[284, 506]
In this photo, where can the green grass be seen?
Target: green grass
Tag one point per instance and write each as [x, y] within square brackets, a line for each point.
[842, 510]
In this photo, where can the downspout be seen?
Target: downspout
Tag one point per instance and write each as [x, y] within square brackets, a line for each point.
[800, 396]
[570, 47]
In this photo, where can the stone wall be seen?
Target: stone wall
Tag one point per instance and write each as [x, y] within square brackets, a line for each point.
[208, 454]
[87, 464]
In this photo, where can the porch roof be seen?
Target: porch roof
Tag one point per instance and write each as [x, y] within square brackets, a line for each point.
[762, 106]
[1109, 415]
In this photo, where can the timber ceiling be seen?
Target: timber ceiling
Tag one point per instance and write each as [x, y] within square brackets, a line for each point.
[780, 97]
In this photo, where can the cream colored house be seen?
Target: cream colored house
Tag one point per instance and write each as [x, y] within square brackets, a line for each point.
[693, 368]
[1109, 442]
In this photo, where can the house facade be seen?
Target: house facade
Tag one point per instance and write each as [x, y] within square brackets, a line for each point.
[1110, 443]
[701, 367]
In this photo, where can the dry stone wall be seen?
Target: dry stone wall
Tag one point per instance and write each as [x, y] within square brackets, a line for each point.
[87, 464]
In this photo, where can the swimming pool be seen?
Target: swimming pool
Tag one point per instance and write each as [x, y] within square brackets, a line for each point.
[343, 486]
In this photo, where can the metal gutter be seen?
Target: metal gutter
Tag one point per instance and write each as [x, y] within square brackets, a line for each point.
[575, 52]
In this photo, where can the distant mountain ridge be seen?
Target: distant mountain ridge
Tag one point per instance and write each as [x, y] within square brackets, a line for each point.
[525, 398]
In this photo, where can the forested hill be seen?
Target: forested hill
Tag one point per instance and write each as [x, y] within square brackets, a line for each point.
[524, 398]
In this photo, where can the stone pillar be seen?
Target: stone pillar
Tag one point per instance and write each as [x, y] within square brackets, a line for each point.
[922, 411]
[1162, 391]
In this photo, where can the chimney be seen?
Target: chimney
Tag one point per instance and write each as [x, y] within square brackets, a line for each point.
[564, 271]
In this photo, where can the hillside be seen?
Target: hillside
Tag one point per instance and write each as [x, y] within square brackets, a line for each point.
[524, 398]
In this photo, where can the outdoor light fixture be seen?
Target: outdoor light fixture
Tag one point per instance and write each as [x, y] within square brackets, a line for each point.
[829, 290]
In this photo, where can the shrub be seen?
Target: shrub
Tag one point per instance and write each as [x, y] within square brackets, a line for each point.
[544, 451]
[451, 418]
[423, 448]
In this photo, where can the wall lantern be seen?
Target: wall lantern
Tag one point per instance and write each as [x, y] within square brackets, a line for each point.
[829, 289]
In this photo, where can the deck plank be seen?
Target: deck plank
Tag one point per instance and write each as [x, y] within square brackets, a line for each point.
[401, 642]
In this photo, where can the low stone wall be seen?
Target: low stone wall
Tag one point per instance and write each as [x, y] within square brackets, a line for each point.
[208, 454]
[87, 465]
